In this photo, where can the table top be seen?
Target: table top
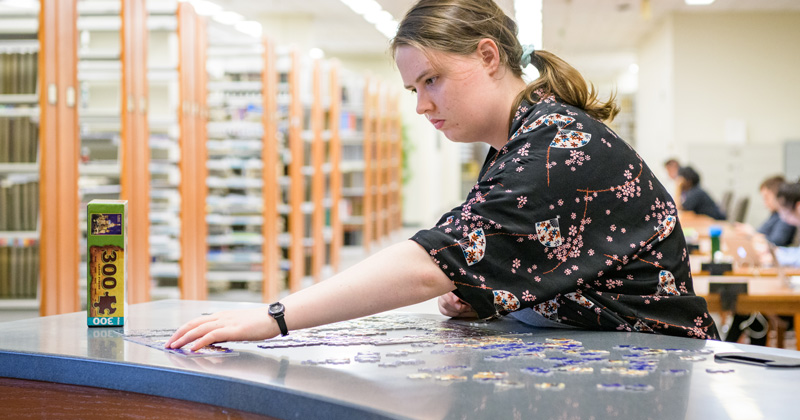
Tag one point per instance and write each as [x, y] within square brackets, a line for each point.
[444, 369]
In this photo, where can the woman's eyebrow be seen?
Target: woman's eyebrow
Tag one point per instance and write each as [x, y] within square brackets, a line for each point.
[420, 77]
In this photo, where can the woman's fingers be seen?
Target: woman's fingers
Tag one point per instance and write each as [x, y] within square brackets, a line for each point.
[245, 324]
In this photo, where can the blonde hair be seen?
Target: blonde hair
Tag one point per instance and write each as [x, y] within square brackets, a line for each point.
[457, 26]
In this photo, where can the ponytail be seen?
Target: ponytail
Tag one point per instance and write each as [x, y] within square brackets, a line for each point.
[557, 77]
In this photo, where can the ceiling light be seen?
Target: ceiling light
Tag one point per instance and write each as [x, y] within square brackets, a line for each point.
[249, 27]
[528, 15]
[205, 7]
[362, 7]
[373, 13]
[228, 17]
[316, 53]
[698, 2]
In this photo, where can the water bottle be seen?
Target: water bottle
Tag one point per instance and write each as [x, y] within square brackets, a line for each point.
[714, 232]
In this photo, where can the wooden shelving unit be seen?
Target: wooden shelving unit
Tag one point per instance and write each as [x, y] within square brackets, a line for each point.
[165, 154]
[19, 169]
[58, 145]
[236, 184]
[372, 186]
[306, 163]
[193, 114]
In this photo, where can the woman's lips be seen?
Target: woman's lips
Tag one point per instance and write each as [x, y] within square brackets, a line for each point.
[437, 124]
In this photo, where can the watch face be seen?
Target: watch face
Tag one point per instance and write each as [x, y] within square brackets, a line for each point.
[276, 308]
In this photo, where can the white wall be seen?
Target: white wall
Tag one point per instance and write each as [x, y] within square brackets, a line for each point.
[655, 101]
[700, 71]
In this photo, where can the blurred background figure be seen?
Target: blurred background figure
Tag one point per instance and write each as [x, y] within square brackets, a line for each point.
[671, 183]
[672, 166]
[693, 198]
[775, 230]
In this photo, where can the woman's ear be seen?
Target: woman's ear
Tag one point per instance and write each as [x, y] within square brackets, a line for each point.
[489, 55]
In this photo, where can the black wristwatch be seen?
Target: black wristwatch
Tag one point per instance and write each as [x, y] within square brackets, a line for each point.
[276, 311]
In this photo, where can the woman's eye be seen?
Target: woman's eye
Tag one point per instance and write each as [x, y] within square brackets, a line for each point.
[430, 81]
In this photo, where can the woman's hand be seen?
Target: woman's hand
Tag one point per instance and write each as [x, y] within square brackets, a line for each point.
[237, 325]
[452, 306]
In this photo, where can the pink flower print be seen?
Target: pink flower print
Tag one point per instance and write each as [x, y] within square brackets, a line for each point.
[560, 203]
[447, 230]
[613, 228]
[523, 151]
[527, 296]
[520, 168]
[567, 271]
[609, 239]
[590, 252]
[623, 230]
[516, 263]
[628, 174]
[531, 237]
[537, 279]
[502, 165]
[462, 271]
[573, 216]
[552, 207]
[444, 267]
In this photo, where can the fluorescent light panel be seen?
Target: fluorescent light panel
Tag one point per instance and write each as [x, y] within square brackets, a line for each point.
[373, 13]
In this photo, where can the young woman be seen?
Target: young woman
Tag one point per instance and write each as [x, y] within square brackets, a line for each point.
[565, 227]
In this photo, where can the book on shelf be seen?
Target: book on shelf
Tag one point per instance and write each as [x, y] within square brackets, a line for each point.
[19, 268]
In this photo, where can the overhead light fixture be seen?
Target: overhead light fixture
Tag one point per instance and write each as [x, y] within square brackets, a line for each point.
[316, 53]
[228, 17]
[249, 27]
[528, 15]
[373, 13]
[698, 2]
[205, 7]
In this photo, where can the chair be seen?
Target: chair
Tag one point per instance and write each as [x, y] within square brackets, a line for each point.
[725, 202]
[739, 210]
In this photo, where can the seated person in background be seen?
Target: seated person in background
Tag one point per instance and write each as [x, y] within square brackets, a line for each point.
[774, 229]
[788, 198]
[694, 198]
[672, 166]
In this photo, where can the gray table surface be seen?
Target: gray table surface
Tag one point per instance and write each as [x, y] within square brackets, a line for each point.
[277, 383]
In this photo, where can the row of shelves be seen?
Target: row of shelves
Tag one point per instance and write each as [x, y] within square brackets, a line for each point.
[275, 145]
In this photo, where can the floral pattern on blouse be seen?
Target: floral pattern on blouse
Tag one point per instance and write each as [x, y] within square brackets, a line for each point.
[568, 220]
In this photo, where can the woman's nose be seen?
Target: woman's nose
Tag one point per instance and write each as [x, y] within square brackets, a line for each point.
[424, 104]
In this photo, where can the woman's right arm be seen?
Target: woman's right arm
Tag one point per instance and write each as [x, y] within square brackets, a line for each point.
[397, 276]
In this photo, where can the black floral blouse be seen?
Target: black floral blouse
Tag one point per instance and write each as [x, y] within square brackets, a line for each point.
[568, 220]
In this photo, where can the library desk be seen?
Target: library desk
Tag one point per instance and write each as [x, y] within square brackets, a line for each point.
[66, 356]
[770, 295]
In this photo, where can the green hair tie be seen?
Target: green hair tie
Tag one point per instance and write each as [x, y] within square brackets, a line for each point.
[527, 54]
